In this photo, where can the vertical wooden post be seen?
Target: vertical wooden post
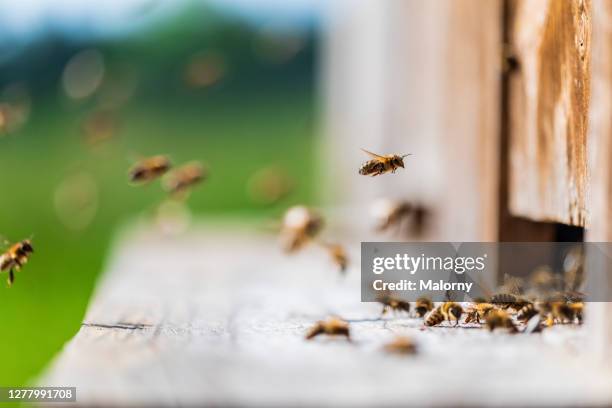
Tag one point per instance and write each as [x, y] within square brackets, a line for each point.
[599, 151]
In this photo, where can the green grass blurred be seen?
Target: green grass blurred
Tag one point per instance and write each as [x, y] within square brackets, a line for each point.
[236, 133]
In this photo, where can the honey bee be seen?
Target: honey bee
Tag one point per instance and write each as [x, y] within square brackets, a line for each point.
[381, 164]
[14, 258]
[390, 302]
[447, 311]
[185, 177]
[338, 255]
[149, 169]
[422, 306]
[452, 311]
[390, 213]
[401, 345]
[479, 311]
[526, 312]
[563, 312]
[577, 308]
[499, 319]
[505, 300]
[300, 226]
[333, 326]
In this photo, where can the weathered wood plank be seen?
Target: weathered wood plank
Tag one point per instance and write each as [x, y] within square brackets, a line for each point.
[218, 318]
[600, 161]
[551, 47]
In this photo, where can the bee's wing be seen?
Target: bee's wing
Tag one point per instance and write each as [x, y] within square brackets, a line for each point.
[373, 155]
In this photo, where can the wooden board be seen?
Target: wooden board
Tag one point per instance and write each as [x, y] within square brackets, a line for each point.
[600, 160]
[550, 43]
[218, 316]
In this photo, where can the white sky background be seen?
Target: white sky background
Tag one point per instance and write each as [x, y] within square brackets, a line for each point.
[24, 19]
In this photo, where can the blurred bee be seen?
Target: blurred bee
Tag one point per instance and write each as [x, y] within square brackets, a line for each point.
[99, 126]
[401, 345]
[563, 312]
[577, 308]
[479, 311]
[498, 319]
[422, 306]
[573, 269]
[390, 302]
[270, 185]
[14, 258]
[526, 312]
[452, 311]
[149, 169]
[381, 164]
[391, 213]
[332, 326]
[300, 226]
[399, 215]
[338, 255]
[447, 311]
[184, 178]
[434, 318]
[505, 300]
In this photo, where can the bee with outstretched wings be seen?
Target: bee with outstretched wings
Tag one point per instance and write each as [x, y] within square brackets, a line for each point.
[378, 164]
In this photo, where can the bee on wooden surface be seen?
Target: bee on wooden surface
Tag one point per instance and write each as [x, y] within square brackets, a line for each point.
[333, 326]
[14, 258]
[447, 311]
[506, 300]
[577, 308]
[390, 302]
[401, 345]
[562, 312]
[149, 169]
[479, 311]
[434, 318]
[499, 319]
[300, 226]
[422, 306]
[526, 312]
[381, 164]
[338, 255]
[452, 311]
[184, 178]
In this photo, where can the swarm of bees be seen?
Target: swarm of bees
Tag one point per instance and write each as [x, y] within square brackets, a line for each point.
[378, 164]
[15, 257]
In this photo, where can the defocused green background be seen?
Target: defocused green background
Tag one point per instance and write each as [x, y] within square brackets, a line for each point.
[257, 110]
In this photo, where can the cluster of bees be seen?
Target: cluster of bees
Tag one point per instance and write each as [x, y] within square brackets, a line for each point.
[513, 309]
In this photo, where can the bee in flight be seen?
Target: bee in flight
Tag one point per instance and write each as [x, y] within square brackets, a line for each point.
[301, 225]
[338, 255]
[14, 258]
[185, 177]
[381, 164]
[149, 169]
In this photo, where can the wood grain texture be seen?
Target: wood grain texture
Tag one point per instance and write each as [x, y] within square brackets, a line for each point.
[218, 317]
[600, 162]
[550, 93]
